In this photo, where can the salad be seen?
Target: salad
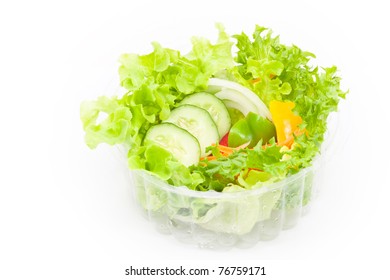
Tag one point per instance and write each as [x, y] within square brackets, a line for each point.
[235, 115]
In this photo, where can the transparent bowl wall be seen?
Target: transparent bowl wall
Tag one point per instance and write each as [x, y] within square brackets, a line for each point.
[217, 220]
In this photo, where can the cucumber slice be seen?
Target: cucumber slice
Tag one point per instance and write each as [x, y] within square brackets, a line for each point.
[214, 106]
[179, 142]
[198, 122]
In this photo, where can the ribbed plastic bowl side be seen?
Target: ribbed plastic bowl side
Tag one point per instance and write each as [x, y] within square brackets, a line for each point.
[222, 220]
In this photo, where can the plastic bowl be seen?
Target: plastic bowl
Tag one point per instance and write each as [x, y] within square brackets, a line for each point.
[219, 220]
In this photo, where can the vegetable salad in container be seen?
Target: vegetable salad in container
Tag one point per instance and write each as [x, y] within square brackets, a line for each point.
[223, 142]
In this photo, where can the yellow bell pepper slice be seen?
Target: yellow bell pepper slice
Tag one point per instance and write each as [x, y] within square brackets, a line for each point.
[285, 121]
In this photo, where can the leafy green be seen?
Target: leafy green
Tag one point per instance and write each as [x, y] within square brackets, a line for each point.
[284, 73]
[158, 81]
[219, 173]
[114, 129]
[224, 170]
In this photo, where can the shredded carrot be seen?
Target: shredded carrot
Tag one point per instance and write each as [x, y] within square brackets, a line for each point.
[209, 158]
[256, 169]
[229, 150]
[255, 81]
[243, 146]
[225, 149]
[290, 139]
[287, 142]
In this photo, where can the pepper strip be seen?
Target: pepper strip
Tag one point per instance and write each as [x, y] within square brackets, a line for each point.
[285, 121]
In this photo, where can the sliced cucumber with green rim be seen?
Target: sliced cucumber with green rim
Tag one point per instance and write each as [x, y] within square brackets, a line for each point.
[180, 143]
[198, 122]
[214, 106]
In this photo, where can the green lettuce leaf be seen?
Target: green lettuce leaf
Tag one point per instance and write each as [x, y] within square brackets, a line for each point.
[113, 129]
[158, 81]
[285, 73]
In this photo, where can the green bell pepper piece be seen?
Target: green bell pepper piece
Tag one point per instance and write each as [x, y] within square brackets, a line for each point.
[252, 128]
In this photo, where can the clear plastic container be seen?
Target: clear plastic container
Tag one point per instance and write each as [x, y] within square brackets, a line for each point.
[221, 220]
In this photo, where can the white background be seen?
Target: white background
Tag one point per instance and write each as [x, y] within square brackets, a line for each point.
[66, 211]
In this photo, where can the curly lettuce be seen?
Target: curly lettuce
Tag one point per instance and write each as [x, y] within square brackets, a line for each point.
[158, 81]
[155, 82]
